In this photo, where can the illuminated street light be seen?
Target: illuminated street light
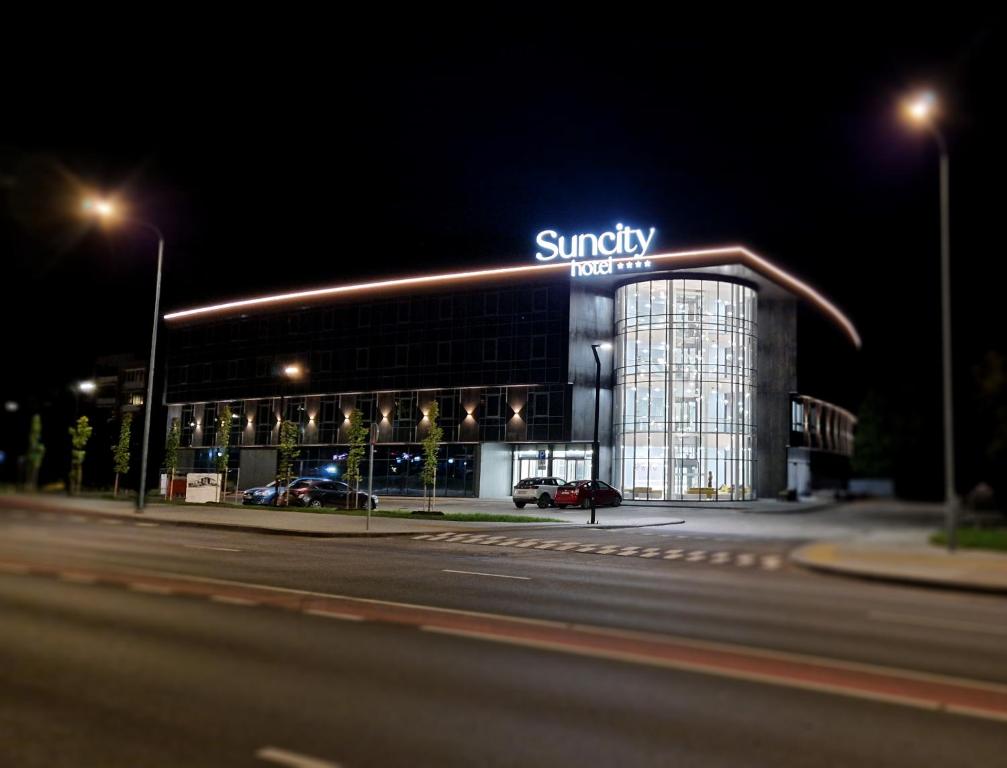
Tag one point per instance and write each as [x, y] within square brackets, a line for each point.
[106, 210]
[87, 387]
[292, 371]
[922, 110]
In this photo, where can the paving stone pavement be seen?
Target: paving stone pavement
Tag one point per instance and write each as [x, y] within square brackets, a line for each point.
[713, 556]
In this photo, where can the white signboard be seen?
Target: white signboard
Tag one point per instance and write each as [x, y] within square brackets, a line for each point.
[202, 487]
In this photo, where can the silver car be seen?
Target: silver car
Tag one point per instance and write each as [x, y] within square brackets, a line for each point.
[536, 490]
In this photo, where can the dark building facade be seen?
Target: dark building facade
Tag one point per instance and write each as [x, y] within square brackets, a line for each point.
[699, 367]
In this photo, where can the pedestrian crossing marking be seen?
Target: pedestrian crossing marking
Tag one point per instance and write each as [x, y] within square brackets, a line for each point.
[768, 561]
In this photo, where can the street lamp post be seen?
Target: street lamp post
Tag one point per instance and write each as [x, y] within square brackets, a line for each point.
[106, 210]
[291, 372]
[921, 110]
[595, 446]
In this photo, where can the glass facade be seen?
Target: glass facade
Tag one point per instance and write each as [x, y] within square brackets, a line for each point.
[684, 397]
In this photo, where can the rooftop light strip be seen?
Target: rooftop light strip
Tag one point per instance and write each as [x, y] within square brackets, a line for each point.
[709, 257]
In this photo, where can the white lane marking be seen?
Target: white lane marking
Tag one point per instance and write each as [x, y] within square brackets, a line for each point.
[77, 578]
[744, 559]
[227, 600]
[627, 551]
[292, 759]
[587, 548]
[479, 573]
[673, 554]
[333, 614]
[608, 549]
[927, 621]
[568, 545]
[505, 542]
[422, 536]
[146, 525]
[215, 549]
[719, 558]
[150, 589]
[530, 542]
[549, 544]
[651, 552]
[771, 562]
[696, 555]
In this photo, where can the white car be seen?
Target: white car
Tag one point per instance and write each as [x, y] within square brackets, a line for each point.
[536, 490]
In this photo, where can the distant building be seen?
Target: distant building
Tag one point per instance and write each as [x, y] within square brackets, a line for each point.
[120, 384]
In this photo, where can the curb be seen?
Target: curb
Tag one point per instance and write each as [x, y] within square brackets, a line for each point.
[34, 505]
[835, 569]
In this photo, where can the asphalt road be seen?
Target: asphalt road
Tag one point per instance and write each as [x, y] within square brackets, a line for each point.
[154, 645]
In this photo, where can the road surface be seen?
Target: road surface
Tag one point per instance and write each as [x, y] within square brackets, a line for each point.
[139, 644]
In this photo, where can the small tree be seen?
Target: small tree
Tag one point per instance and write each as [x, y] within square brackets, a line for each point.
[357, 435]
[288, 451]
[120, 452]
[223, 446]
[79, 435]
[171, 444]
[431, 447]
[35, 452]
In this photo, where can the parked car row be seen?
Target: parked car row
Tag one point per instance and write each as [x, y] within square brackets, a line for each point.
[315, 492]
[556, 492]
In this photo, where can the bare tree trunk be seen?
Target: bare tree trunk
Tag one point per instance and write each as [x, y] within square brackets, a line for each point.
[115, 489]
[433, 493]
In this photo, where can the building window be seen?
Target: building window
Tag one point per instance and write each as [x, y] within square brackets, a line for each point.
[401, 355]
[541, 300]
[538, 347]
[443, 352]
[491, 304]
[363, 357]
[490, 350]
[136, 398]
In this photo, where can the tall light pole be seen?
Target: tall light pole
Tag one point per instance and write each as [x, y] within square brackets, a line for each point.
[106, 210]
[291, 372]
[596, 446]
[922, 111]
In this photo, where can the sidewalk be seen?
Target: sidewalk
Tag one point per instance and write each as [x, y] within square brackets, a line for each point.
[252, 519]
[908, 559]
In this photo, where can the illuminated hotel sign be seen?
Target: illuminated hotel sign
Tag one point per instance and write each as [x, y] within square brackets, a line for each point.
[603, 249]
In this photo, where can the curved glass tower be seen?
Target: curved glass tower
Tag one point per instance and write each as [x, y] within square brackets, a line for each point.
[684, 397]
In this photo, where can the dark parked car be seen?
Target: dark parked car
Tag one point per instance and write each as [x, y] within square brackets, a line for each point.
[314, 492]
[266, 495]
[579, 494]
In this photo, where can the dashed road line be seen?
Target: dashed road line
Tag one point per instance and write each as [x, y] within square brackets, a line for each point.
[292, 759]
[228, 600]
[322, 613]
[148, 589]
[494, 575]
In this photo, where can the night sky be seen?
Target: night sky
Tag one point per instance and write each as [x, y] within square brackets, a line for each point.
[299, 156]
